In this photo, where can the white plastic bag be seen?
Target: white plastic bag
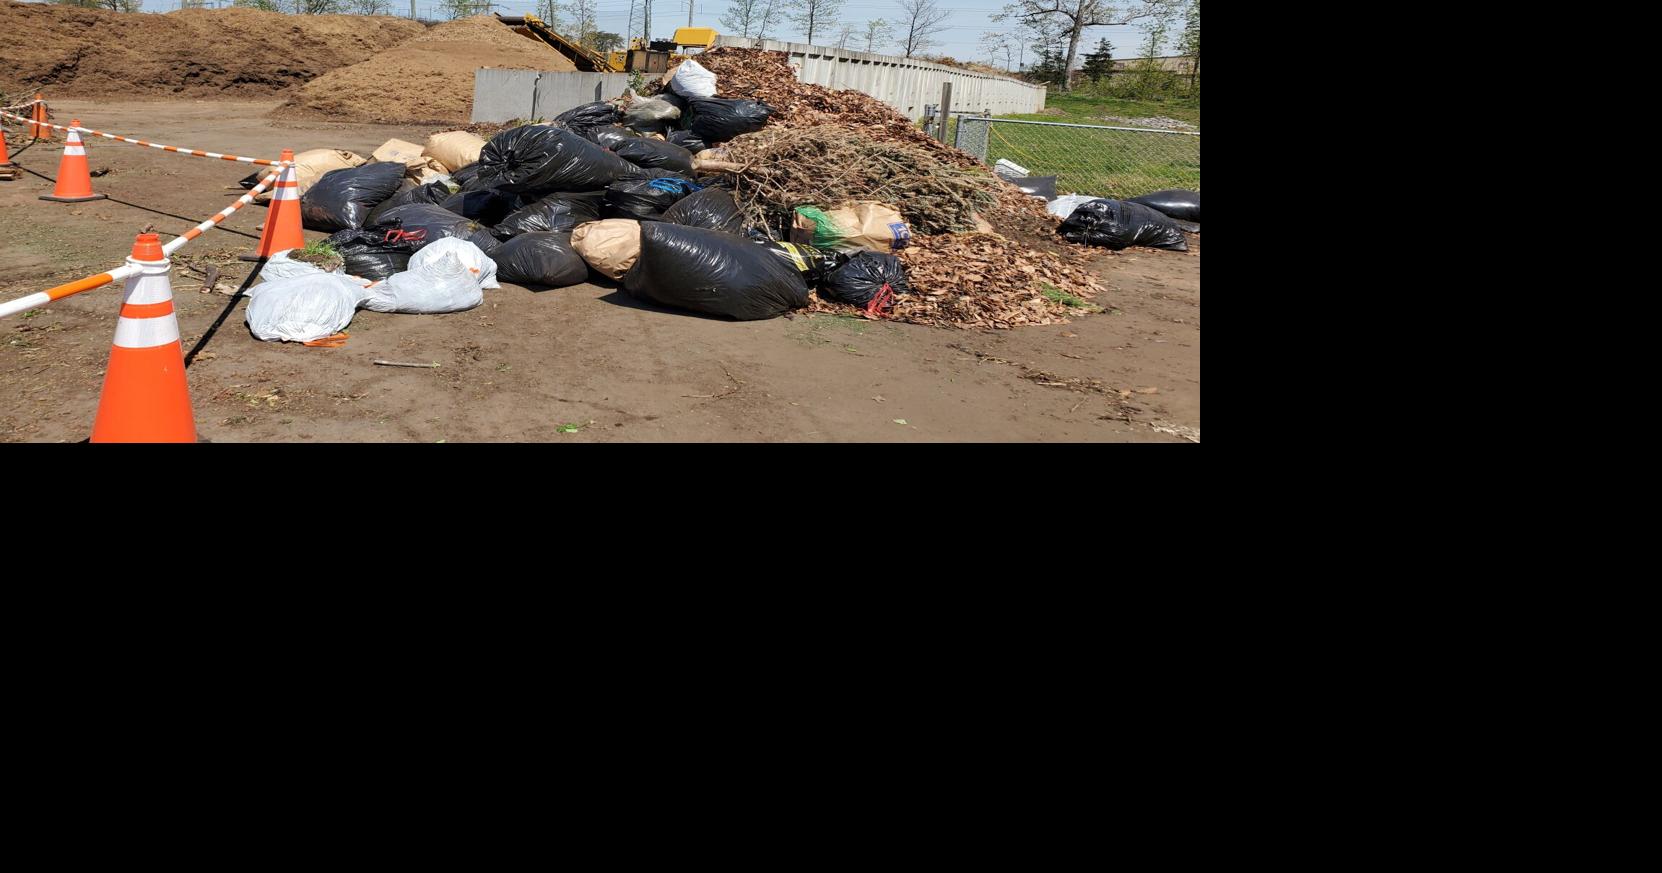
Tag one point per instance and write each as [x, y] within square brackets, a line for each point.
[281, 266]
[692, 80]
[471, 256]
[302, 308]
[1063, 206]
[444, 284]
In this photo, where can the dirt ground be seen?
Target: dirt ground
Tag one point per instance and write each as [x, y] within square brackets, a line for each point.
[583, 364]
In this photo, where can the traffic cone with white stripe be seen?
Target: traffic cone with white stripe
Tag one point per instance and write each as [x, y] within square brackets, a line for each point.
[282, 217]
[5, 156]
[74, 176]
[145, 399]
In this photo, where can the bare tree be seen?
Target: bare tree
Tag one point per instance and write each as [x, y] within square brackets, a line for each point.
[1076, 15]
[812, 15]
[583, 14]
[919, 21]
[742, 16]
[262, 5]
[771, 12]
[1000, 48]
[370, 7]
[316, 7]
[844, 34]
[877, 33]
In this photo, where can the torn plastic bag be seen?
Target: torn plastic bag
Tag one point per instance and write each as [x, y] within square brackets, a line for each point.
[692, 80]
[343, 199]
[541, 159]
[1116, 224]
[472, 257]
[711, 208]
[814, 264]
[1173, 202]
[1063, 206]
[541, 258]
[370, 256]
[713, 272]
[655, 153]
[486, 207]
[423, 223]
[302, 308]
[556, 212]
[443, 285]
[432, 192]
[715, 120]
[869, 280]
[649, 112]
[646, 199]
[688, 140]
[675, 100]
[587, 115]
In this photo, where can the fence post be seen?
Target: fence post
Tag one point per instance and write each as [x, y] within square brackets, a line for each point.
[946, 108]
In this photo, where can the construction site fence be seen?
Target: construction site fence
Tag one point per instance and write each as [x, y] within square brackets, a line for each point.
[1103, 161]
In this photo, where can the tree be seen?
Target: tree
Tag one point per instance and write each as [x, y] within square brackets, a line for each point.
[844, 34]
[1077, 15]
[370, 7]
[812, 15]
[316, 7]
[262, 5]
[1000, 48]
[606, 42]
[877, 33]
[1191, 43]
[1100, 63]
[771, 12]
[112, 5]
[920, 20]
[742, 15]
[583, 14]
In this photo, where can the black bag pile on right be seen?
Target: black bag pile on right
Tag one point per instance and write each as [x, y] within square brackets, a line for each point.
[1116, 224]
[711, 209]
[423, 223]
[556, 212]
[368, 255]
[540, 258]
[716, 120]
[343, 199]
[1175, 202]
[869, 280]
[714, 272]
[540, 159]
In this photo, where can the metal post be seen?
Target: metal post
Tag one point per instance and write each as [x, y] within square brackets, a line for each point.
[689, 13]
[946, 109]
[646, 23]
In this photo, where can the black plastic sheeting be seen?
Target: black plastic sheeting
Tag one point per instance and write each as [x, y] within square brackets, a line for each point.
[486, 207]
[423, 223]
[369, 255]
[716, 120]
[713, 272]
[688, 140]
[869, 279]
[540, 258]
[556, 212]
[1116, 224]
[343, 199]
[646, 199]
[541, 159]
[711, 209]
[1173, 202]
[655, 153]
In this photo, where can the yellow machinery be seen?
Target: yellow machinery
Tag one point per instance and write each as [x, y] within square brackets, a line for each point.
[646, 57]
[586, 60]
[701, 38]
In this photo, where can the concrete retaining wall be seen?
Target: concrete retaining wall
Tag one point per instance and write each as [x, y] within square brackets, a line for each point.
[504, 95]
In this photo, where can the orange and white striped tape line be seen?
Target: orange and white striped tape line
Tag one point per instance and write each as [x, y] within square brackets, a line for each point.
[42, 298]
[285, 191]
[23, 105]
[197, 153]
[147, 318]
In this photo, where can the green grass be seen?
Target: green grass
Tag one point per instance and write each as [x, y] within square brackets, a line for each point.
[1084, 109]
[1051, 292]
[319, 248]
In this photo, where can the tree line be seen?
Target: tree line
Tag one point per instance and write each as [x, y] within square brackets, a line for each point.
[1051, 33]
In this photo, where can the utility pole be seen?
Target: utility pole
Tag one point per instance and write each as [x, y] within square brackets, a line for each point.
[412, 10]
[646, 23]
[689, 13]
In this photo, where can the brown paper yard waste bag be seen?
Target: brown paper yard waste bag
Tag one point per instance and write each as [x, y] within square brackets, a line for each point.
[611, 247]
[455, 149]
[860, 225]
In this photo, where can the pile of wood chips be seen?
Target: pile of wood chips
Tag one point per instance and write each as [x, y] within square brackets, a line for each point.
[982, 280]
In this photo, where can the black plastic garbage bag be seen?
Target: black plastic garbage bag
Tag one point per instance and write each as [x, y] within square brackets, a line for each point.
[541, 159]
[716, 120]
[556, 212]
[588, 115]
[486, 207]
[1174, 202]
[432, 192]
[712, 209]
[540, 258]
[646, 199]
[608, 137]
[813, 263]
[369, 255]
[422, 223]
[655, 153]
[714, 272]
[673, 99]
[465, 175]
[869, 279]
[1117, 224]
[688, 140]
[343, 199]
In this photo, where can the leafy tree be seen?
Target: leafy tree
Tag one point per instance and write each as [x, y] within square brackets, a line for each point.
[1100, 63]
[606, 42]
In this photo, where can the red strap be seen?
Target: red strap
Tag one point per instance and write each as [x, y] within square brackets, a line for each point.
[881, 301]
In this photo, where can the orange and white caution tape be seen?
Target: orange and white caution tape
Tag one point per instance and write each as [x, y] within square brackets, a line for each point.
[119, 273]
[23, 105]
[197, 153]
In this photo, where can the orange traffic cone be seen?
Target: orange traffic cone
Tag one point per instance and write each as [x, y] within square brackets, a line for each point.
[74, 177]
[5, 156]
[145, 399]
[282, 217]
[40, 130]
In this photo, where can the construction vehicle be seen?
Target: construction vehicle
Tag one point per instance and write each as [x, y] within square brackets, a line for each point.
[643, 55]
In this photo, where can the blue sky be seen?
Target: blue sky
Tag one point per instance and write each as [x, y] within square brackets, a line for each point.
[961, 39]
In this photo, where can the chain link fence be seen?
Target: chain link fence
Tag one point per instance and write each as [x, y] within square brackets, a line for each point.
[1114, 162]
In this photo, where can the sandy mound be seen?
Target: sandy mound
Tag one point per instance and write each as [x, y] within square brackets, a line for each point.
[426, 80]
[67, 51]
